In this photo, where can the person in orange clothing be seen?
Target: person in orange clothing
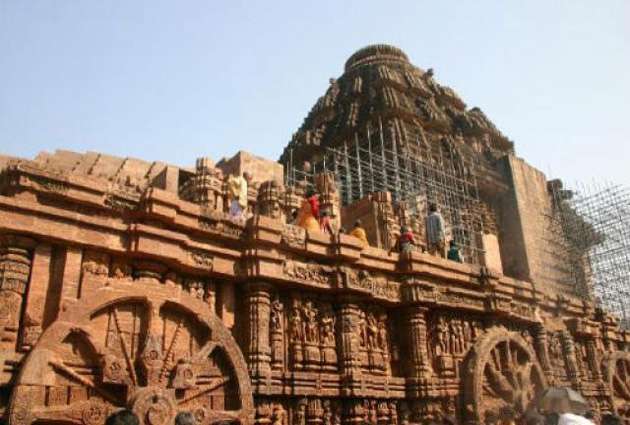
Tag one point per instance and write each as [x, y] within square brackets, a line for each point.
[308, 216]
[359, 232]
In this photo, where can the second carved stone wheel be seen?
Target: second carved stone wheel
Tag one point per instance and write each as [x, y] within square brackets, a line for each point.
[501, 370]
[618, 378]
[154, 350]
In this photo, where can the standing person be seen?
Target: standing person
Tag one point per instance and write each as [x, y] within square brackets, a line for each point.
[324, 223]
[436, 232]
[237, 193]
[313, 200]
[453, 252]
[308, 215]
[405, 242]
[359, 232]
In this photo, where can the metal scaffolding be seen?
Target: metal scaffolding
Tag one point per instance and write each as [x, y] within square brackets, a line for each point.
[588, 242]
[415, 174]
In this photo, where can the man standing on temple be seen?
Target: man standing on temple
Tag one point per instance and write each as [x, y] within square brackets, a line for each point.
[237, 194]
[436, 232]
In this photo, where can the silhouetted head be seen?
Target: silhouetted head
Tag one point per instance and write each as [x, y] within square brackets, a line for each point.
[404, 229]
[357, 223]
[432, 208]
[123, 417]
[309, 192]
[453, 244]
[553, 418]
[609, 419]
[185, 418]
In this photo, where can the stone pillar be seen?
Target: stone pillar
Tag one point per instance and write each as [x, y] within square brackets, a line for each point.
[36, 297]
[277, 334]
[259, 312]
[541, 345]
[227, 304]
[71, 288]
[15, 269]
[568, 348]
[417, 338]
[593, 358]
[418, 368]
[350, 360]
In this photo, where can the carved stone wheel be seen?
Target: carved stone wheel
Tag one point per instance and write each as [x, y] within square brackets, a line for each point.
[148, 347]
[500, 370]
[618, 377]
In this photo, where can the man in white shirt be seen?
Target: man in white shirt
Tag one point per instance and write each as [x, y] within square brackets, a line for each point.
[573, 419]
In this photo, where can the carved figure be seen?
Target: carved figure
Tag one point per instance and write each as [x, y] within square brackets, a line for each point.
[279, 415]
[297, 326]
[382, 333]
[310, 316]
[372, 331]
[277, 310]
[300, 413]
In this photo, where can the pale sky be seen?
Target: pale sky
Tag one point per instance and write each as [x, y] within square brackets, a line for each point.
[176, 80]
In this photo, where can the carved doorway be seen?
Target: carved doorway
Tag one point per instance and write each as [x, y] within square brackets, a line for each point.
[151, 348]
[501, 370]
[618, 379]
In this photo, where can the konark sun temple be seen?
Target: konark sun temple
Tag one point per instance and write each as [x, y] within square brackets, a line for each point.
[389, 268]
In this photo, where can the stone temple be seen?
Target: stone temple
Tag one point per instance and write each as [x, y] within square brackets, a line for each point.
[127, 283]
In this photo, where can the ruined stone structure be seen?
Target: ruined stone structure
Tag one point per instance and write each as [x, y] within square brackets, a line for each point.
[125, 283]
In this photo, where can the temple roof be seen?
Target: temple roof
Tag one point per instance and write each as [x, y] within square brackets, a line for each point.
[380, 83]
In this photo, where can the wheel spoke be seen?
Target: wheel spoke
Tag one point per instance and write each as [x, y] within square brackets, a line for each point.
[622, 387]
[85, 412]
[205, 351]
[219, 382]
[83, 380]
[165, 366]
[224, 415]
[498, 381]
[123, 346]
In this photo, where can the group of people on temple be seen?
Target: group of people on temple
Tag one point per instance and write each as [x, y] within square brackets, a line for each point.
[312, 217]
